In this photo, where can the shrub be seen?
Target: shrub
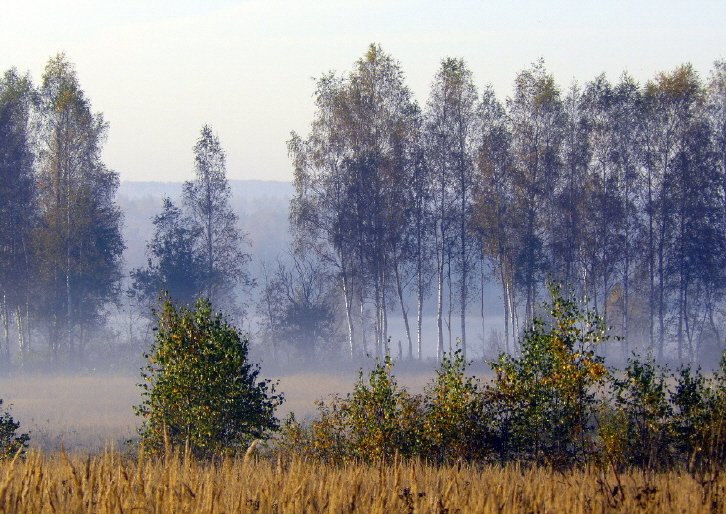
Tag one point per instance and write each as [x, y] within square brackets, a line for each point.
[456, 426]
[10, 442]
[555, 404]
[699, 418]
[380, 420]
[640, 400]
[692, 401]
[377, 420]
[200, 390]
[709, 450]
[656, 419]
[542, 402]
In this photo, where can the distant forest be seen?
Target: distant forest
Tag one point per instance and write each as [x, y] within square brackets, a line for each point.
[616, 190]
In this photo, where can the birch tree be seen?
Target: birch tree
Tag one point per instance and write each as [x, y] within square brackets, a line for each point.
[18, 207]
[536, 116]
[78, 241]
[221, 242]
[351, 176]
[452, 127]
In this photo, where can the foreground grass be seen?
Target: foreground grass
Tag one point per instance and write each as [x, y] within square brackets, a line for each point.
[110, 483]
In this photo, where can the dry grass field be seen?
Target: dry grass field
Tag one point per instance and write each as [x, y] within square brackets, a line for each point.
[108, 483]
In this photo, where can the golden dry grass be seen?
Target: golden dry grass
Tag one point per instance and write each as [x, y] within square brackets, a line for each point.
[88, 413]
[108, 483]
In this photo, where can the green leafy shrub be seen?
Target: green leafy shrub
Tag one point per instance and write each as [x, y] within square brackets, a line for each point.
[711, 446]
[542, 402]
[200, 391]
[640, 399]
[656, 419]
[699, 420]
[10, 441]
[377, 420]
[456, 425]
[380, 419]
[691, 401]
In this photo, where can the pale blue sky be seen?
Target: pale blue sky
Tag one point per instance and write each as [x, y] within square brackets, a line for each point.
[159, 70]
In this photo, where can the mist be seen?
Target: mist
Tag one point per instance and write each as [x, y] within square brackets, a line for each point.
[88, 408]
[410, 232]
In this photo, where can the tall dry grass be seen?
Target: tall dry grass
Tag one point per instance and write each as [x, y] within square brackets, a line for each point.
[110, 483]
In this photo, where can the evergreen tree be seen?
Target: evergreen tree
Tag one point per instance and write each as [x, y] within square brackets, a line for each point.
[174, 263]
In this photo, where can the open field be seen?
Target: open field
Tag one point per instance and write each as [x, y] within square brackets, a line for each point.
[82, 413]
[108, 483]
[90, 413]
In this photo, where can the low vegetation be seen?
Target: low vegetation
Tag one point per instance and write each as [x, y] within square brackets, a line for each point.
[555, 404]
[553, 430]
[10, 441]
[108, 483]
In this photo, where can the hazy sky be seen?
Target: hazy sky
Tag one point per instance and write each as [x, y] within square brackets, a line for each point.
[160, 69]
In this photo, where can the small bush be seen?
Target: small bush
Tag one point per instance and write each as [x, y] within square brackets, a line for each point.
[640, 399]
[10, 441]
[657, 419]
[542, 402]
[380, 419]
[376, 421]
[200, 390]
[456, 424]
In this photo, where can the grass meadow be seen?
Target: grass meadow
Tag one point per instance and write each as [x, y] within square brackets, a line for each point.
[108, 483]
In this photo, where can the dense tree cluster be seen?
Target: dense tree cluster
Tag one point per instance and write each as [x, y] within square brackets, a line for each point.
[616, 188]
[60, 228]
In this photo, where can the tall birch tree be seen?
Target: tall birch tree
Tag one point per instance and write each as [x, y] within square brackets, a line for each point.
[78, 241]
[221, 242]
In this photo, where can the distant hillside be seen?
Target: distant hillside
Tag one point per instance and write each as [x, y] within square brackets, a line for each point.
[240, 188]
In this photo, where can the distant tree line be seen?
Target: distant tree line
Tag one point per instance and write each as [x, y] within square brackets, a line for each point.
[60, 228]
[617, 189]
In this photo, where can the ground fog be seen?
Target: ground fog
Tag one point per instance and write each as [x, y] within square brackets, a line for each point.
[88, 413]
